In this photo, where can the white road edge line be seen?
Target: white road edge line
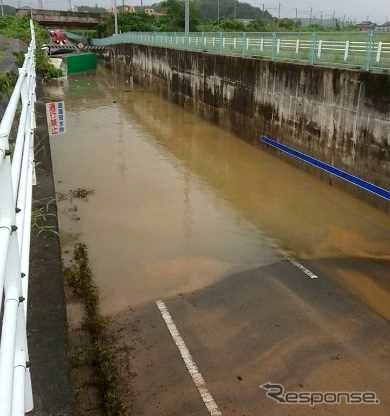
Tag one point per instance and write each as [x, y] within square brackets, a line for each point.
[290, 259]
[192, 368]
[301, 267]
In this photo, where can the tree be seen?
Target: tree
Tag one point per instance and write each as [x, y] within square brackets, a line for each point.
[174, 19]
[128, 22]
[287, 24]
[171, 21]
[257, 25]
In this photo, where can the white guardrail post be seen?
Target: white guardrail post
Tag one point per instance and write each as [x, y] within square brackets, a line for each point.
[15, 227]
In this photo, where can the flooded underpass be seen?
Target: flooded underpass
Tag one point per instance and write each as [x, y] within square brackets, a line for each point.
[266, 273]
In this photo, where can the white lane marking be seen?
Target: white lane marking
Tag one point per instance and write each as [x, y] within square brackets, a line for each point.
[192, 368]
[301, 267]
[290, 259]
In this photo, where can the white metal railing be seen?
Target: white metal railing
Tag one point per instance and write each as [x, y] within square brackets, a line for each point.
[16, 180]
[368, 51]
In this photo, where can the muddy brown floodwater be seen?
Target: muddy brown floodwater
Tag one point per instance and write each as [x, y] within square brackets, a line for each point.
[179, 202]
[179, 206]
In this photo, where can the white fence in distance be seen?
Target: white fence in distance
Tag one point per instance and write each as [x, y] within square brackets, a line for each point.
[357, 50]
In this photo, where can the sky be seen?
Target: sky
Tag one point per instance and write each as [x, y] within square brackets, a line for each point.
[375, 10]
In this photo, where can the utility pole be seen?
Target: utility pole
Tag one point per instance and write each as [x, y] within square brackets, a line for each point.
[187, 17]
[296, 14]
[115, 18]
[218, 12]
[279, 10]
[235, 9]
[311, 15]
[2, 8]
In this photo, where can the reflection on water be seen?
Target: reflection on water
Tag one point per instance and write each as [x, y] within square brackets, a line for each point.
[180, 202]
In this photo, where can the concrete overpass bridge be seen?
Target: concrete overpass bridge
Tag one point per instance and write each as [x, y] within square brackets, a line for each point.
[62, 19]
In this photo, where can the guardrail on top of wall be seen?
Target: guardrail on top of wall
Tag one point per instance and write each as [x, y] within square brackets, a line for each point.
[365, 51]
[16, 180]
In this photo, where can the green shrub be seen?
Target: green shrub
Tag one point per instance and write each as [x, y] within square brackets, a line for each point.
[44, 68]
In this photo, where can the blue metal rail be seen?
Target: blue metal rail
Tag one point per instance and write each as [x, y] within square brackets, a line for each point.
[341, 174]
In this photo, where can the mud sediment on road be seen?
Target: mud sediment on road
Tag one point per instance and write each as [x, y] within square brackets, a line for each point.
[263, 325]
[94, 374]
[152, 376]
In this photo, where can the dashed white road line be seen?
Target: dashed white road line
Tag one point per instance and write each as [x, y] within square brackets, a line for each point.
[192, 368]
[290, 259]
[301, 267]
[296, 263]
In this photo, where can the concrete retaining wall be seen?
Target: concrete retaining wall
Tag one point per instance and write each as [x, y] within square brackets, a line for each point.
[339, 116]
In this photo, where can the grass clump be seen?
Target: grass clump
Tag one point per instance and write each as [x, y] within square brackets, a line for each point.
[45, 69]
[99, 356]
[7, 82]
[39, 221]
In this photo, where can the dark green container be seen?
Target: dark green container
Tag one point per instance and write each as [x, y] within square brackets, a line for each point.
[80, 62]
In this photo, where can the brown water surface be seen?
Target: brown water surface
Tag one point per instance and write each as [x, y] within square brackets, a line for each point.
[179, 203]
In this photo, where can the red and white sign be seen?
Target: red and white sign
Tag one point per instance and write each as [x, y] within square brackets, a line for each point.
[55, 114]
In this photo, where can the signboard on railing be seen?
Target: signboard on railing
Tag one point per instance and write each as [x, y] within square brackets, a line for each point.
[55, 114]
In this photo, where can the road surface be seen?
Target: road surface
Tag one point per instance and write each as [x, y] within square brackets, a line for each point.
[220, 266]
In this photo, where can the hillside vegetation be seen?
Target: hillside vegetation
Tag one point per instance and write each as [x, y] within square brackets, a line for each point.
[234, 17]
[9, 10]
[229, 9]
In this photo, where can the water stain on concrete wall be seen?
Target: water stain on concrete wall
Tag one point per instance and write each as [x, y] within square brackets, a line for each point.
[340, 116]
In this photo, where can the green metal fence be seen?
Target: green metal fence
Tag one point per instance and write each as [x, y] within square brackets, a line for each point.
[368, 51]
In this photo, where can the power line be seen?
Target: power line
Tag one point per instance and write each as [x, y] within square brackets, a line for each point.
[187, 16]
[280, 10]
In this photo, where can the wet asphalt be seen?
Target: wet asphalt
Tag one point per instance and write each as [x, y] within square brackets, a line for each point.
[270, 324]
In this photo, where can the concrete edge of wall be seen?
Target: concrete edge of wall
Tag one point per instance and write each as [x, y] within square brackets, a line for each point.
[47, 322]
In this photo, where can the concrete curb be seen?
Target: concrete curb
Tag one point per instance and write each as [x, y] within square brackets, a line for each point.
[47, 326]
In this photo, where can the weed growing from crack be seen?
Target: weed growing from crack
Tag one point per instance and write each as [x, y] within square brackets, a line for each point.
[99, 356]
[39, 219]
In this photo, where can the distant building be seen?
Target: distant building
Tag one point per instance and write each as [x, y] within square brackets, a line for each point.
[306, 21]
[245, 21]
[152, 12]
[383, 28]
[126, 9]
[366, 26]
